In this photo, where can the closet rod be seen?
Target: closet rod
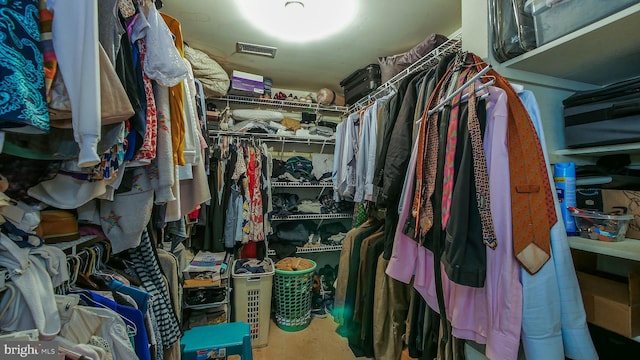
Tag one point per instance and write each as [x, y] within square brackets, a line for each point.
[431, 59]
[458, 90]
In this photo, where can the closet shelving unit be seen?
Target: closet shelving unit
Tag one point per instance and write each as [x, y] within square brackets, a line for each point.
[285, 184]
[284, 104]
[600, 150]
[312, 249]
[582, 55]
[627, 249]
[318, 141]
[205, 306]
[276, 137]
[312, 217]
[224, 305]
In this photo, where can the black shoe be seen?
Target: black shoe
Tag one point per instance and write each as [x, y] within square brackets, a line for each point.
[318, 310]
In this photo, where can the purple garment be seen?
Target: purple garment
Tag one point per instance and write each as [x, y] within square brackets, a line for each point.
[490, 315]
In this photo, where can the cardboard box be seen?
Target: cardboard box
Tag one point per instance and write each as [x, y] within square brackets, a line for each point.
[611, 304]
[618, 202]
[624, 202]
[246, 84]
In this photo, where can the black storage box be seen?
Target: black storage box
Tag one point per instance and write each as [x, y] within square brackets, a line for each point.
[606, 116]
[361, 82]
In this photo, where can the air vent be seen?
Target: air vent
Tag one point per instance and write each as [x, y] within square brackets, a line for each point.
[262, 50]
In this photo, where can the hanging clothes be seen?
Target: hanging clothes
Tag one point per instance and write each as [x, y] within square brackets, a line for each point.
[176, 98]
[77, 52]
[148, 270]
[256, 218]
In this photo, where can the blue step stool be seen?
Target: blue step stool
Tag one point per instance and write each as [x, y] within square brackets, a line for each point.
[235, 337]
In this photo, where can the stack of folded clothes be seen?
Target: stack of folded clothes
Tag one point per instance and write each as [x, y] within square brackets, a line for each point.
[321, 130]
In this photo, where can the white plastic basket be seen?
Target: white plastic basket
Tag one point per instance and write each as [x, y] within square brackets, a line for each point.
[252, 301]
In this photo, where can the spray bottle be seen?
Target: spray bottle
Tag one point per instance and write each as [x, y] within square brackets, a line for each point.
[564, 176]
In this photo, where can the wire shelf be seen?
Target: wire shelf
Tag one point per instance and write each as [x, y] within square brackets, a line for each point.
[312, 249]
[283, 104]
[311, 217]
[205, 306]
[285, 184]
[454, 44]
[275, 137]
[74, 243]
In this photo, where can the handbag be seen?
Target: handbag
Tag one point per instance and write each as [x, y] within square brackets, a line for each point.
[115, 106]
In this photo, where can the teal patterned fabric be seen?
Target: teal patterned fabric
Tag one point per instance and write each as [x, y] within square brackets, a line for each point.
[23, 106]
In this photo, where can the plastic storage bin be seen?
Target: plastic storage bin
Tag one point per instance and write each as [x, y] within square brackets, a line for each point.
[555, 18]
[293, 298]
[597, 226]
[252, 301]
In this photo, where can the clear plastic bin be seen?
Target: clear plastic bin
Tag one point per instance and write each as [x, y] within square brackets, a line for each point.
[555, 18]
[597, 226]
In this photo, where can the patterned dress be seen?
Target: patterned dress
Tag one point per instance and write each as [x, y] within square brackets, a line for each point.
[23, 105]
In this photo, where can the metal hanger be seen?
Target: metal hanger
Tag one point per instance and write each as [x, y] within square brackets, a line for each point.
[458, 90]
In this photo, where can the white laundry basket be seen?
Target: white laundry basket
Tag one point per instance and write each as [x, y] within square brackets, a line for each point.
[252, 301]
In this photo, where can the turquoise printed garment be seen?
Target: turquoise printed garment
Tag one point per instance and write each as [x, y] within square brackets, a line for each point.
[23, 106]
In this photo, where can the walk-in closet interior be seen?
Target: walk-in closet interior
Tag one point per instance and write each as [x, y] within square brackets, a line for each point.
[336, 179]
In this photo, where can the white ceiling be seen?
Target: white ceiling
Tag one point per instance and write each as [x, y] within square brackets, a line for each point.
[381, 27]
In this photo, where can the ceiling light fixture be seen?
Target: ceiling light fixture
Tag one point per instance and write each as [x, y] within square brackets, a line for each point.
[299, 21]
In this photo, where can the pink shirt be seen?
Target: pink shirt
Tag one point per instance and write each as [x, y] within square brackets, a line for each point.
[490, 315]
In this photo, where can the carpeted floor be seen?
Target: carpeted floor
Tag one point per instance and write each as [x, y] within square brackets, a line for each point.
[319, 341]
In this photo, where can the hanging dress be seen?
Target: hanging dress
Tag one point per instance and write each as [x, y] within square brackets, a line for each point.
[23, 106]
[256, 216]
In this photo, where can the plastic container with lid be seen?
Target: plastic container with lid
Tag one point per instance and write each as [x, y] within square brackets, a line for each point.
[555, 18]
[598, 226]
